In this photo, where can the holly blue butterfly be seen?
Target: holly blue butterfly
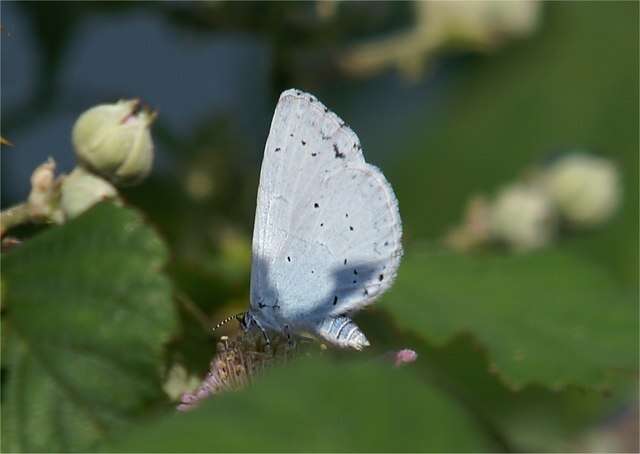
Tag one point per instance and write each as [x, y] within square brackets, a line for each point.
[327, 232]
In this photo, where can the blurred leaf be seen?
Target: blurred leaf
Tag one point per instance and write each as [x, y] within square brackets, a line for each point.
[321, 406]
[88, 312]
[534, 419]
[545, 318]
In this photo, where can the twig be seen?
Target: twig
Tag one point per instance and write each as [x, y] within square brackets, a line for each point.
[14, 216]
[195, 311]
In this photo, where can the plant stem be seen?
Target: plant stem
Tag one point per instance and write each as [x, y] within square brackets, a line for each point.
[14, 216]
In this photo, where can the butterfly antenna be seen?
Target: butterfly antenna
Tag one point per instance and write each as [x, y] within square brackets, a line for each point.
[238, 317]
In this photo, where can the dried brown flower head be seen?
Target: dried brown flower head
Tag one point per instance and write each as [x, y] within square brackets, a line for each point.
[237, 362]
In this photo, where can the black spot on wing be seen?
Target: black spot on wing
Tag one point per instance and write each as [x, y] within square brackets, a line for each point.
[338, 154]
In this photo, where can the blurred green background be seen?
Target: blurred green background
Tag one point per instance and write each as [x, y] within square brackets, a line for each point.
[532, 351]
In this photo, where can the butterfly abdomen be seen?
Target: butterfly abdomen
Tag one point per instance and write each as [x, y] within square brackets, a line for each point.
[341, 331]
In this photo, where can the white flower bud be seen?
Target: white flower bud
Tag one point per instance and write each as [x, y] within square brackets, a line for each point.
[43, 198]
[586, 189]
[81, 190]
[523, 217]
[479, 23]
[179, 381]
[113, 140]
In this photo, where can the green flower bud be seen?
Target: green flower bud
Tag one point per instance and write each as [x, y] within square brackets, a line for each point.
[585, 188]
[523, 217]
[81, 190]
[113, 140]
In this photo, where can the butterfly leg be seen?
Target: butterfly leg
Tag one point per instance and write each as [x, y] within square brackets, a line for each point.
[290, 342]
[264, 333]
[248, 321]
[341, 331]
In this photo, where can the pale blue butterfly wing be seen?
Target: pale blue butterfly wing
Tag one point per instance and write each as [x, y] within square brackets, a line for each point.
[327, 233]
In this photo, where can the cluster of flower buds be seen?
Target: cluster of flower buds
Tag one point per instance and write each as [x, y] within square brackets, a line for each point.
[439, 25]
[114, 147]
[578, 189]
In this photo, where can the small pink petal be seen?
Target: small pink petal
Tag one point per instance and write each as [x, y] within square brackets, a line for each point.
[405, 356]
[187, 398]
[201, 393]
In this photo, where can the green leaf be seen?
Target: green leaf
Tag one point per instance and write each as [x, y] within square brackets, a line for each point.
[534, 419]
[319, 405]
[87, 314]
[545, 318]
